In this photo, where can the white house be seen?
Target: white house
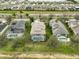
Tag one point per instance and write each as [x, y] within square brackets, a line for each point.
[59, 30]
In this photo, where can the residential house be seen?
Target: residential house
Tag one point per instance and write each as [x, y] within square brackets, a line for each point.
[59, 30]
[74, 25]
[38, 31]
[17, 28]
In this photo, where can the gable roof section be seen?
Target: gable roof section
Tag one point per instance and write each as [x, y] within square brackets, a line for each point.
[58, 28]
[38, 27]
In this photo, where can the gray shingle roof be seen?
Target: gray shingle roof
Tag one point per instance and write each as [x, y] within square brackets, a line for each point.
[19, 25]
[58, 28]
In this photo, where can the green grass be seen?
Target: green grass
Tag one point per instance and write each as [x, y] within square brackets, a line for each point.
[40, 47]
[36, 12]
[67, 50]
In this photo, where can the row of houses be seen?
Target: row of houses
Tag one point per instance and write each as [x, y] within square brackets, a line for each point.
[38, 29]
[36, 1]
[36, 6]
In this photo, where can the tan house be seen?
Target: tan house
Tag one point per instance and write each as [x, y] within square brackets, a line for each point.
[38, 31]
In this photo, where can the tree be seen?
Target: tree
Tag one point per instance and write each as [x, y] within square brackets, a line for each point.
[50, 17]
[27, 14]
[53, 42]
[9, 18]
[76, 17]
[27, 25]
[48, 30]
[14, 14]
[18, 43]
[32, 19]
[3, 41]
[21, 11]
[74, 41]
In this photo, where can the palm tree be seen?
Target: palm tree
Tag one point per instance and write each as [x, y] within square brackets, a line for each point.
[53, 42]
[13, 14]
[74, 41]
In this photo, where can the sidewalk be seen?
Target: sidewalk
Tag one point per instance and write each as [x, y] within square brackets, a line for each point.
[42, 56]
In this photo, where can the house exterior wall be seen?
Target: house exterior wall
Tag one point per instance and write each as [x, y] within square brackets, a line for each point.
[14, 35]
[38, 37]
